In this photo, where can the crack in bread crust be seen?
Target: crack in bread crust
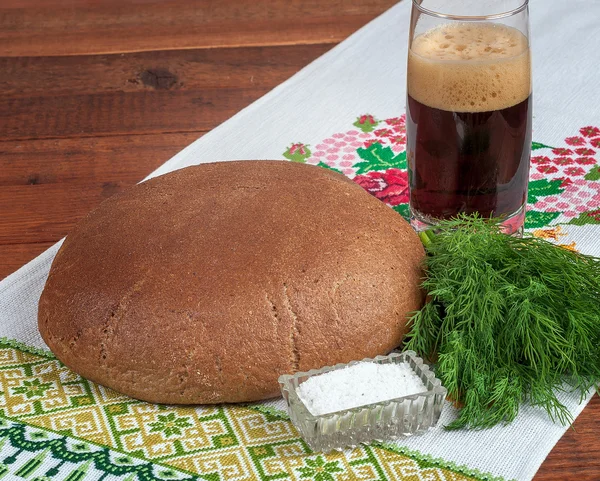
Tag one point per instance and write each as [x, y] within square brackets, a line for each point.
[294, 331]
[334, 290]
[116, 314]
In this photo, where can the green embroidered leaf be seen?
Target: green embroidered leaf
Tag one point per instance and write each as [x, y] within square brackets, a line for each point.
[332, 467]
[403, 210]
[591, 217]
[171, 430]
[324, 476]
[593, 174]
[543, 187]
[319, 470]
[32, 388]
[156, 427]
[297, 152]
[378, 157]
[168, 474]
[537, 146]
[535, 219]
[306, 472]
[366, 123]
[169, 424]
[325, 166]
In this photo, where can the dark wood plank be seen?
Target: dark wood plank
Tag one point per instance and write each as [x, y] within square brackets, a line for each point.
[41, 28]
[46, 212]
[90, 160]
[13, 256]
[121, 113]
[576, 457]
[178, 91]
[48, 185]
[175, 70]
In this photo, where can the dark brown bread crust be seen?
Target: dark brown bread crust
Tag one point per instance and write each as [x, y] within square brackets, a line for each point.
[205, 284]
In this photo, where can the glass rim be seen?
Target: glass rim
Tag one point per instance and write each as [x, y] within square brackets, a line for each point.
[471, 18]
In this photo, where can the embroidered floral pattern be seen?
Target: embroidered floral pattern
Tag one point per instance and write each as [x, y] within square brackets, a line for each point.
[390, 186]
[319, 470]
[34, 388]
[297, 152]
[170, 424]
[564, 180]
[77, 430]
[366, 123]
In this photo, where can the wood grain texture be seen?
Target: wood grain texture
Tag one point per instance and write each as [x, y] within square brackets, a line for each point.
[52, 209]
[177, 91]
[149, 72]
[95, 94]
[14, 256]
[120, 113]
[127, 159]
[576, 457]
[45, 28]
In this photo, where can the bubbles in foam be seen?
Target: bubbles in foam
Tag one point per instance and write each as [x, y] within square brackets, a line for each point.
[469, 67]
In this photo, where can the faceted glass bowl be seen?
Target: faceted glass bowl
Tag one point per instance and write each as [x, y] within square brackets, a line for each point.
[387, 419]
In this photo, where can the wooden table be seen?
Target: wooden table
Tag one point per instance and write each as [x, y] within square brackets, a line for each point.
[95, 94]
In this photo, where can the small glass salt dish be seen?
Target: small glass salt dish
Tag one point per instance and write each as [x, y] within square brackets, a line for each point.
[388, 419]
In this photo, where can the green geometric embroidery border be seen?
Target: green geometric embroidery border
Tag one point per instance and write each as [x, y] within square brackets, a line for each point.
[271, 414]
[37, 403]
[426, 461]
[21, 346]
[423, 460]
[15, 433]
[179, 450]
[264, 452]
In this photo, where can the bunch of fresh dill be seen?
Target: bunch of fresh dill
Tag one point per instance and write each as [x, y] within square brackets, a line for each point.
[508, 319]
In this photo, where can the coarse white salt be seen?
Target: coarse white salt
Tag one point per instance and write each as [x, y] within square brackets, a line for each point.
[358, 385]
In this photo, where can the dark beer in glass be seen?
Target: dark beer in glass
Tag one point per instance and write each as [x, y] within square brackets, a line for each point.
[469, 117]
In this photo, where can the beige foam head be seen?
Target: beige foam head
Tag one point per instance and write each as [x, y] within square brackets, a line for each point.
[470, 67]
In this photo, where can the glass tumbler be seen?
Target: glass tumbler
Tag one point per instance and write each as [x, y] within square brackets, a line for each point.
[468, 111]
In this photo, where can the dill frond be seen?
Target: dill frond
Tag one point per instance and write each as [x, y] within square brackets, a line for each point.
[509, 319]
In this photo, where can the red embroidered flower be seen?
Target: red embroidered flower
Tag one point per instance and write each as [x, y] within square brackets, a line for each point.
[561, 151]
[585, 160]
[565, 181]
[399, 127]
[370, 142]
[390, 186]
[540, 159]
[590, 131]
[583, 151]
[367, 119]
[297, 148]
[398, 140]
[595, 142]
[563, 160]
[575, 140]
[575, 171]
[594, 214]
[396, 120]
[547, 169]
[383, 132]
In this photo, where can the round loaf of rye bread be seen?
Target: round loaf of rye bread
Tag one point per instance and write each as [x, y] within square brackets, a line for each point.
[206, 284]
